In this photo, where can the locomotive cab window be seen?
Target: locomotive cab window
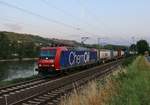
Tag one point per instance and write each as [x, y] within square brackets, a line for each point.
[50, 53]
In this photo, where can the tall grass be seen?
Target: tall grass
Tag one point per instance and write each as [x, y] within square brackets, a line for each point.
[94, 93]
[129, 86]
[134, 86]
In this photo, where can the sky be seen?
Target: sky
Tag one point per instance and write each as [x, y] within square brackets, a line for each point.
[112, 21]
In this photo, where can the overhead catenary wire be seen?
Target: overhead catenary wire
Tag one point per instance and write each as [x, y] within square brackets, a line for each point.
[13, 21]
[92, 14]
[95, 16]
[66, 13]
[43, 17]
[37, 15]
[69, 14]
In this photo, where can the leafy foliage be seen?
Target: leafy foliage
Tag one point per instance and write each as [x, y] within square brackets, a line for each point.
[128, 61]
[4, 46]
[133, 47]
[142, 46]
[110, 46]
[14, 45]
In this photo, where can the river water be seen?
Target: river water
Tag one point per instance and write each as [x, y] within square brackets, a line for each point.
[17, 69]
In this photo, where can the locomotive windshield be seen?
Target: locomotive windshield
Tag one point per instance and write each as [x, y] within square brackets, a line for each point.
[50, 53]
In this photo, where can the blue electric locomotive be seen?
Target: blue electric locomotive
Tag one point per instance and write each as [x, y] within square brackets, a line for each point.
[63, 58]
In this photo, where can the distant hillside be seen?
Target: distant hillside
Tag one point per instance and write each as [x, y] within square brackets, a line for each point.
[14, 45]
[37, 39]
[115, 47]
[110, 46]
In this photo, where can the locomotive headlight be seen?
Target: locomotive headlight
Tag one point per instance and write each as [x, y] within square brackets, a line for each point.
[40, 65]
[52, 65]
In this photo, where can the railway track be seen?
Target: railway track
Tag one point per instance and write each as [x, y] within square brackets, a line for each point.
[45, 92]
[12, 89]
[23, 86]
[53, 97]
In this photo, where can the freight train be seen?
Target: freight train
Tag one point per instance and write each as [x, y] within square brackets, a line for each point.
[59, 59]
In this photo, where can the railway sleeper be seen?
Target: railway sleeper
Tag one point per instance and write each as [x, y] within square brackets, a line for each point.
[25, 104]
[38, 99]
[50, 103]
[43, 97]
[33, 102]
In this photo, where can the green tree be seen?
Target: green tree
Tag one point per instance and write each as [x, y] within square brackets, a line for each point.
[142, 46]
[14, 47]
[29, 49]
[4, 46]
[132, 47]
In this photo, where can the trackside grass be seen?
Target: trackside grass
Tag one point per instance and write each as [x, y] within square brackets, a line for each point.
[127, 86]
[94, 93]
[133, 87]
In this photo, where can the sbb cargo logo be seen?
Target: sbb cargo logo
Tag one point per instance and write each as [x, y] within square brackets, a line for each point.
[77, 59]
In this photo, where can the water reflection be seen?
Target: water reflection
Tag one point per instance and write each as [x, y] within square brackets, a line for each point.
[148, 58]
[17, 69]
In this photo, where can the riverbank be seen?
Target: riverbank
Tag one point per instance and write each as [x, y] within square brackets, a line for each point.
[129, 86]
[10, 70]
[17, 59]
[18, 80]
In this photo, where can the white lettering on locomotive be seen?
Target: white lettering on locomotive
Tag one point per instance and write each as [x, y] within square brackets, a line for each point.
[77, 59]
[86, 57]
